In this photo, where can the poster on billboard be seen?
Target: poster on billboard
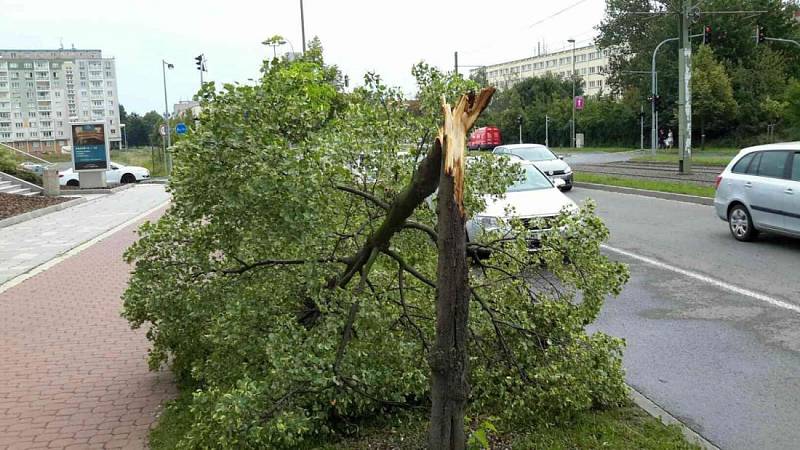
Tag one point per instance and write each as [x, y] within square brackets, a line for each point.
[89, 147]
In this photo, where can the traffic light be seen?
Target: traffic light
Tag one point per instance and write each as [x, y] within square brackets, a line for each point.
[519, 120]
[655, 100]
[200, 60]
[707, 34]
[761, 35]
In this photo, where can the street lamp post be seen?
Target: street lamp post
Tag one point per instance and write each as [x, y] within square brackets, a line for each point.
[124, 136]
[164, 66]
[572, 41]
[654, 93]
[303, 26]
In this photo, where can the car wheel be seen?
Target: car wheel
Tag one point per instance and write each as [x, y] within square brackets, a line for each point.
[566, 188]
[741, 224]
[128, 178]
[73, 183]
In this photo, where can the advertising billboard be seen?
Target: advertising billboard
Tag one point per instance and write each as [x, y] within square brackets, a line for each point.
[89, 147]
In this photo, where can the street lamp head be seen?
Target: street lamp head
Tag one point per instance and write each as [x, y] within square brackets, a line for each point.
[170, 66]
[571, 41]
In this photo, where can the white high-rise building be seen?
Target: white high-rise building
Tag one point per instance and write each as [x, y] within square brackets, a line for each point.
[590, 65]
[42, 91]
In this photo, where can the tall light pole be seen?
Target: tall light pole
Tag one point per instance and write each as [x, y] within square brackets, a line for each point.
[572, 41]
[653, 95]
[164, 66]
[685, 88]
[303, 26]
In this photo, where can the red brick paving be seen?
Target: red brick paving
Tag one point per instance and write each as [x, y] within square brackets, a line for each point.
[72, 372]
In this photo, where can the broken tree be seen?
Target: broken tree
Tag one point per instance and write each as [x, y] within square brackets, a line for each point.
[448, 360]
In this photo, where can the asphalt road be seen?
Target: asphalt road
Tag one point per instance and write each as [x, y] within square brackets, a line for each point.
[712, 324]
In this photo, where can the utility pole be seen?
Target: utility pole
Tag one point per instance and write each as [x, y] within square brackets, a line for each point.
[641, 124]
[572, 41]
[303, 27]
[685, 89]
[167, 143]
[546, 130]
[455, 55]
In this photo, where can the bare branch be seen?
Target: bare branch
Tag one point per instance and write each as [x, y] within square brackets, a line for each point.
[418, 226]
[364, 194]
[500, 338]
[282, 262]
[405, 266]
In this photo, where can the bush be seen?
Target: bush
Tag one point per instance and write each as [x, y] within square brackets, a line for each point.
[239, 283]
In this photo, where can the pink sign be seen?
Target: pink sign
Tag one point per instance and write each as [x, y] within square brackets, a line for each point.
[579, 102]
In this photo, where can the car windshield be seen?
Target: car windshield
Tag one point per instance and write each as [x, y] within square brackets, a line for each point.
[532, 180]
[533, 153]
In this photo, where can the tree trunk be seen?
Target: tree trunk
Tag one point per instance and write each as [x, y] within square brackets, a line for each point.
[448, 360]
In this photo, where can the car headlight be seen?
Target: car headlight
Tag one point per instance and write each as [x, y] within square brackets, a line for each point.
[568, 171]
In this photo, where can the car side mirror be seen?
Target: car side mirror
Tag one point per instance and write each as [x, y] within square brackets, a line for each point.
[558, 182]
[561, 157]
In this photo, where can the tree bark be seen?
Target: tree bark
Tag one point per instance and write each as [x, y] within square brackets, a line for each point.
[448, 360]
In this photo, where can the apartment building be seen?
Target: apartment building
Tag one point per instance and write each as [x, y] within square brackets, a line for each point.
[590, 65]
[42, 91]
[179, 109]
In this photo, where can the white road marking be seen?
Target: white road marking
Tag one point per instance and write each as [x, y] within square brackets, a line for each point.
[705, 279]
[75, 250]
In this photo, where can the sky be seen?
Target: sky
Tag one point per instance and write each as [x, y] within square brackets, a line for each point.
[357, 35]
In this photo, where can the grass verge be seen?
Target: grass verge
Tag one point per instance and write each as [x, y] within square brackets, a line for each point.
[651, 185]
[571, 150]
[702, 159]
[625, 428]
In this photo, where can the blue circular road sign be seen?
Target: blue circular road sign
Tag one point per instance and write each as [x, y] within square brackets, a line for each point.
[180, 128]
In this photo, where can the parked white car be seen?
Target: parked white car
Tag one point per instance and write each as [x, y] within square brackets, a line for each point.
[760, 191]
[536, 200]
[116, 174]
[550, 164]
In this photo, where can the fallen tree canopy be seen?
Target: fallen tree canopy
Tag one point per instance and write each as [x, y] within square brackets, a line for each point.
[292, 285]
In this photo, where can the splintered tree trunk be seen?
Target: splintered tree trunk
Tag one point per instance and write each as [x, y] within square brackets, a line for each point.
[448, 360]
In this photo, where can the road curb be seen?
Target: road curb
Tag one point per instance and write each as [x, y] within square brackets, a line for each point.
[24, 217]
[667, 419]
[98, 190]
[647, 193]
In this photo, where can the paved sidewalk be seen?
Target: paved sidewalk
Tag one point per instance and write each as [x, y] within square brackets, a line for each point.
[28, 244]
[73, 374]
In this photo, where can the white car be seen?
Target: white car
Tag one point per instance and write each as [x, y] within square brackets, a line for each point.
[760, 191]
[116, 174]
[535, 200]
[550, 164]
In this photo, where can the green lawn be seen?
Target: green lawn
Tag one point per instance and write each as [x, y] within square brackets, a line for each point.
[570, 150]
[625, 428]
[651, 185]
[710, 157]
[143, 157]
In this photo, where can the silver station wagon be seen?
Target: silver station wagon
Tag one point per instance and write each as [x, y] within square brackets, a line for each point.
[760, 191]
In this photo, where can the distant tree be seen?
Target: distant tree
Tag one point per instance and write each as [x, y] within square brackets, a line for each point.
[712, 93]
[123, 115]
[631, 39]
[152, 121]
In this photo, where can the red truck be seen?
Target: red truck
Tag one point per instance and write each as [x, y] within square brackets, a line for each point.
[484, 138]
